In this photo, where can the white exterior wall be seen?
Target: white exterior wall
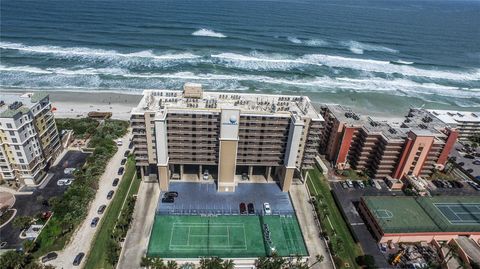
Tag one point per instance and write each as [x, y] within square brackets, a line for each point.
[161, 140]
[293, 143]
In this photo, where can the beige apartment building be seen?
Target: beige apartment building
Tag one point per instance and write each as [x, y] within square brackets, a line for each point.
[225, 137]
[29, 140]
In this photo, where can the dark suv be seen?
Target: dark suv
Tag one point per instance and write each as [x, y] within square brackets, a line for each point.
[115, 182]
[101, 209]
[78, 259]
[120, 171]
[49, 257]
[110, 195]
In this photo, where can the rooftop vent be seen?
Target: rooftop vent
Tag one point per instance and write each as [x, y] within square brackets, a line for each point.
[2, 103]
[15, 105]
[422, 126]
[392, 131]
[427, 119]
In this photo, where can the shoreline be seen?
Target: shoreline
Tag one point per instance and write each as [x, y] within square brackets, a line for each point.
[76, 104]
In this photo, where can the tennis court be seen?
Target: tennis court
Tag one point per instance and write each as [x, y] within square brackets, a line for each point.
[182, 236]
[457, 213]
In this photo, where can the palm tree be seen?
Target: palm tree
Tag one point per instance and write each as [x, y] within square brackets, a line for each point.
[171, 265]
[228, 264]
[319, 259]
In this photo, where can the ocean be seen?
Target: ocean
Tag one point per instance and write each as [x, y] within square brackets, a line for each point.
[378, 56]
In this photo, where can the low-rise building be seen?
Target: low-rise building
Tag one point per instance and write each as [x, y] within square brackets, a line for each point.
[29, 140]
[227, 137]
[415, 219]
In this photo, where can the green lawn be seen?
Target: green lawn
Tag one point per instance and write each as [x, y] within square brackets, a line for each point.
[97, 255]
[349, 249]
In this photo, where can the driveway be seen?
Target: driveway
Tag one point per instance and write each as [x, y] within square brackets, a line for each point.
[32, 204]
[136, 242]
[349, 199]
[310, 229]
[82, 238]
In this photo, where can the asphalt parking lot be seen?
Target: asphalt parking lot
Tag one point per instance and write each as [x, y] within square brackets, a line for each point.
[32, 204]
[349, 199]
[468, 165]
[204, 198]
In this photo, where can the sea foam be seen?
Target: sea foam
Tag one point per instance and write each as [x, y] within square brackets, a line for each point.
[208, 33]
[359, 47]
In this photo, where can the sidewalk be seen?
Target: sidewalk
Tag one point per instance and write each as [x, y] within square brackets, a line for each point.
[136, 242]
[311, 232]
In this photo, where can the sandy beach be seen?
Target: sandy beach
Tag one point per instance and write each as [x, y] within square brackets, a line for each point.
[77, 104]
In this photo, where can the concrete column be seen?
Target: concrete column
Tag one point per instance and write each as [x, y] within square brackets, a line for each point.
[163, 177]
[268, 172]
[250, 172]
[181, 171]
[142, 172]
[286, 178]
[200, 172]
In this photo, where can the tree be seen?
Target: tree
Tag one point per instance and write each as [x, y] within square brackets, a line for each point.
[29, 246]
[367, 261]
[13, 260]
[113, 250]
[22, 222]
[171, 265]
[318, 259]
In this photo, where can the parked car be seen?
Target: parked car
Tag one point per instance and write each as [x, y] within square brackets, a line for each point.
[476, 162]
[349, 183]
[344, 185]
[168, 200]
[130, 146]
[205, 175]
[123, 162]
[101, 209]
[461, 163]
[127, 152]
[267, 209]
[110, 194]
[49, 257]
[243, 208]
[78, 259]
[469, 156]
[64, 182]
[251, 208]
[119, 142]
[120, 171]
[173, 194]
[69, 171]
[94, 222]
[360, 184]
[457, 184]
[115, 182]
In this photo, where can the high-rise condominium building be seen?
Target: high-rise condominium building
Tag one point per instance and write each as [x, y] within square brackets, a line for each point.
[416, 147]
[467, 123]
[29, 140]
[227, 137]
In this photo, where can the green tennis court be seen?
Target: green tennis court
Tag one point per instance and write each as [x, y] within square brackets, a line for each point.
[223, 236]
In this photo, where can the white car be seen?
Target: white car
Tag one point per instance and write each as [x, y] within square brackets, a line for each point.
[267, 209]
[119, 142]
[64, 182]
[69, 171]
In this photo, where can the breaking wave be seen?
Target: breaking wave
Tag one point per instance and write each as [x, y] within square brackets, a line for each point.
[358, 47]
[208, 33]
[106, 76]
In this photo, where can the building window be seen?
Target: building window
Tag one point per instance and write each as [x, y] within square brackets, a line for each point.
[9, 125]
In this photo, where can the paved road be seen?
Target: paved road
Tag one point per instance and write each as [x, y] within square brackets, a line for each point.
[82, 238]
[136, 242]
[311, 232]
[32, 204]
